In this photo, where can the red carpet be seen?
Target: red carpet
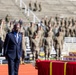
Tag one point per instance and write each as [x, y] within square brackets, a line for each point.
[26, 69]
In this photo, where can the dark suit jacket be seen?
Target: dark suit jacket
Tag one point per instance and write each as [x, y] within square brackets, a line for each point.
[12, 49]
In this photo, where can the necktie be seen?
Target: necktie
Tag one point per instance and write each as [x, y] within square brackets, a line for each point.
[17, 37]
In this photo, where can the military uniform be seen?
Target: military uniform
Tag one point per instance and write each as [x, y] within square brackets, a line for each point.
[60, 39]
[23, 46]
[36, 46]
[40, 8]
[31, 32]
[35, 6]
[3, 30]
[30, 6]
[47, 47]
[48, 41]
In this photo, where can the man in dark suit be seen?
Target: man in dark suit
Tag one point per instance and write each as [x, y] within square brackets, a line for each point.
[13, 49]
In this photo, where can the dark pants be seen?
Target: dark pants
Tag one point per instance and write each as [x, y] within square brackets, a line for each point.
[13, 66]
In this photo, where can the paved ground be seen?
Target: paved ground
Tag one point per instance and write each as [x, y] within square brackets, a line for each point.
[27, 69]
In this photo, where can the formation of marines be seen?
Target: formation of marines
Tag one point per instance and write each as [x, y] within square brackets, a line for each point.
[46, 34]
